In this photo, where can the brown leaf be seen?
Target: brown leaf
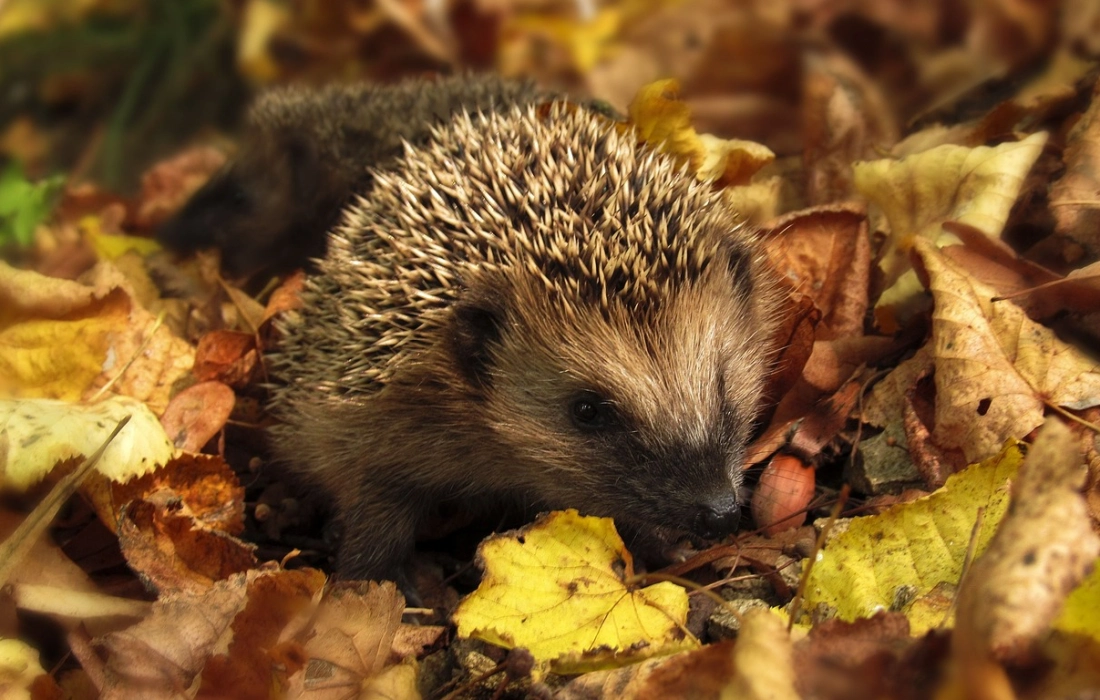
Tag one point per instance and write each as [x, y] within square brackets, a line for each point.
[170, 183]
[286, 297]
[351, 638]
[197, 414]
[1043, 548]
[830, 365]
[858, 659]
[845, 118]
[203, 487]
[825, 254]
[161, 656]
[995, 367]
[227, 356]
[1075, 197]
[173, 553]
[246, 670]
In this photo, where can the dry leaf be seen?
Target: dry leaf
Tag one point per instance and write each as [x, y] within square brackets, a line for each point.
[825, 254]
[974, 186]
[349, 643]
[202, 487]
[198, 413]
[1043, 548]
[662, 120]
[762, 660]
[995, 368]
[174, 552]
[227, 356]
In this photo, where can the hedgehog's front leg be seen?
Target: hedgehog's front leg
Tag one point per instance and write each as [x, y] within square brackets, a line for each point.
[379, 523]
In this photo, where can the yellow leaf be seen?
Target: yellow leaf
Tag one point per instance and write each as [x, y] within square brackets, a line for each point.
[36, 434]
[911, 548]
[1081, 614]
[663, 121]
[110, 246]
[763, 660]
[562, 589]
[64, 340]
[261, 19]
[917, 194]
[1044, 547]
[19, 667]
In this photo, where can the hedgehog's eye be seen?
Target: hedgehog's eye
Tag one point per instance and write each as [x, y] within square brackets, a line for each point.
[590, 411]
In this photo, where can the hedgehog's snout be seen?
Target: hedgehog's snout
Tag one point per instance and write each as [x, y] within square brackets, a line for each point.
[717, 516]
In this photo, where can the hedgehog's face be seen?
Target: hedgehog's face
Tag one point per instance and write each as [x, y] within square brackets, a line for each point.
[643, 418]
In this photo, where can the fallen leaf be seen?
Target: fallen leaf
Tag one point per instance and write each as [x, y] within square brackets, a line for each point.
[825, 254]
[227, 356]
[974, 186]
[166, 186]
[757, 666]
[202, 487]
[245, 669]
[350, 641]
[161, 656]
[861, 659]
[994, 367]
[20, 670]
[562, 589]
[173, 552]
[197, 414]
[64, 340]
[1043, 548]
[36, 434]
[762, 660]
[909, 549]
[662, 120]
[846, 117]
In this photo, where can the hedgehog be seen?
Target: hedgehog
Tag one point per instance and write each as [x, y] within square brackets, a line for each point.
[533, 309]
[306, 152]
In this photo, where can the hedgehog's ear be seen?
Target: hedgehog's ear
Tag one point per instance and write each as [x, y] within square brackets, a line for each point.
[739, 261]
[476, 325]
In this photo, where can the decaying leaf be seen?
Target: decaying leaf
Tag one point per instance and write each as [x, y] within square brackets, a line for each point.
[202, 487]
[36, 434]
[174, 552]
[1043, 549]
[1074, 197]
[888, 560]
[825, 253]
[350, 644]
[994, 367]
[762, 660]
[197, 414]
[563, 589]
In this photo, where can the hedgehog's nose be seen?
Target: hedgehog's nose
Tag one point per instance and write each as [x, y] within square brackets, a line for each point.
[717, 517]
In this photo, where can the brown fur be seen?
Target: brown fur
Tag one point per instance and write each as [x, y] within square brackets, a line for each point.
[513, 267]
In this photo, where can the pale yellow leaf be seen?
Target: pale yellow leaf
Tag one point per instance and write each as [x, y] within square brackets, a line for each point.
[36, 434]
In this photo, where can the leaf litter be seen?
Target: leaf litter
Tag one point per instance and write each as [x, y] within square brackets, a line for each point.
[939, 184]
